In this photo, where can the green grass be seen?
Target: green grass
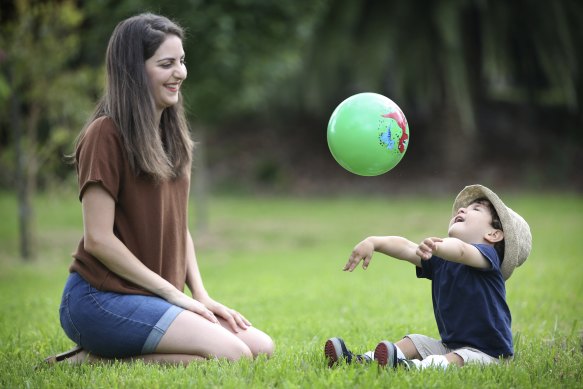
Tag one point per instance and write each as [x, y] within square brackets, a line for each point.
[279, 260]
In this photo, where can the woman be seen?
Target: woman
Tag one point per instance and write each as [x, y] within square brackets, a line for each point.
[124, 297]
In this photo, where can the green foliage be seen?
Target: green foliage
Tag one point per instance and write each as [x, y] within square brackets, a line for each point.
[239, 53]
[446, 63]
[279, 261]
[541, 66]
[446, 50]
[41, 84]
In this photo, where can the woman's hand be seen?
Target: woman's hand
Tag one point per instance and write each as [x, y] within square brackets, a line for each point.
[190, 304]
[236, 321]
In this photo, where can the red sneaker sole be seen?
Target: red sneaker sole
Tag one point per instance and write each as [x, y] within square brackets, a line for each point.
[330, 353]
[381, 354]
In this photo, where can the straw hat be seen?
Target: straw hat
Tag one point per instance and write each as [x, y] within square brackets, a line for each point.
[517, 236]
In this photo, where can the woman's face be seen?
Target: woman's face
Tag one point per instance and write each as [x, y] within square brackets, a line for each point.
[166, 70]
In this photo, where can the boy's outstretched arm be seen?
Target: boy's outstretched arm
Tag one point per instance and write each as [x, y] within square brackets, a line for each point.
[453, 250]
[393, 246]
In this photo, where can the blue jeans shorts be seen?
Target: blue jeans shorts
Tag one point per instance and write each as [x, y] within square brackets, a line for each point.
[113, 325]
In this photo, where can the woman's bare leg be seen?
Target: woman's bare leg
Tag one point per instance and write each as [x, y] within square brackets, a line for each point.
[257, 341]
[190, 337]
[191, 334]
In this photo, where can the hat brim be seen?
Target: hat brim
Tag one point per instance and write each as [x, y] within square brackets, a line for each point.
[474, 192]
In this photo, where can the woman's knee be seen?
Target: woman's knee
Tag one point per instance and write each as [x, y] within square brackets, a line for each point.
[191, 334]
[234, 351]
[264, 346]
[258, 342]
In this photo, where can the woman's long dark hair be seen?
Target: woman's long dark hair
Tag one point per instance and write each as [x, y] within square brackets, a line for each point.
[164, 151]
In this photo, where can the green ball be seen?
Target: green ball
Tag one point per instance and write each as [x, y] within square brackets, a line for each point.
[368, 134]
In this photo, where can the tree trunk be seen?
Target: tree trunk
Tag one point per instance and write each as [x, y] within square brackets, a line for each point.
[24, 183]
[458, 144]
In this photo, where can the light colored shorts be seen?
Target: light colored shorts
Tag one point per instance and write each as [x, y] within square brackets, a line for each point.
[428, 346]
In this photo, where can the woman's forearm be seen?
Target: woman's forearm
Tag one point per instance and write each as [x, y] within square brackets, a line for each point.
[114, 255]
[193, 277]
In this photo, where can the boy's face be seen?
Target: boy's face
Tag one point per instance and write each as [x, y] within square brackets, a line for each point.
[473, 224]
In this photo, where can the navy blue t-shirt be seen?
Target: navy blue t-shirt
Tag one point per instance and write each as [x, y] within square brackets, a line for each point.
[470, 303]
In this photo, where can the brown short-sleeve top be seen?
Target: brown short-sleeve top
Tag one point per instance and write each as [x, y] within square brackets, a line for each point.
[150, 218]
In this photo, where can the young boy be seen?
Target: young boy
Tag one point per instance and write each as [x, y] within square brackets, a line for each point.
[486, 241]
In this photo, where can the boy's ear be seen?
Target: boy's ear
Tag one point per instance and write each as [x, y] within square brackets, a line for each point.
[494, 235]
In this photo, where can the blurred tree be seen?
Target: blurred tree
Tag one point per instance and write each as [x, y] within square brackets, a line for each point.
[531, 51]
[446, 63]
[238, 54]
[49, 99]
[444, 60]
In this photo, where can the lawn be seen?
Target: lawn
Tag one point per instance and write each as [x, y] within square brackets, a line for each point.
[278, 260]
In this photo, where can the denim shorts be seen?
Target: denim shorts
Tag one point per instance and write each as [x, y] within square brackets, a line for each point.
[113, 325]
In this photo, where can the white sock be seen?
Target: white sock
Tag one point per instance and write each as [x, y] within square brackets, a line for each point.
[400, 354]
[417, 363]
[435, 361]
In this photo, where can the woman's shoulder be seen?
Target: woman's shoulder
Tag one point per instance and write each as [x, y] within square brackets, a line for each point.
[103, 128]
[103, 124]
[101, 133]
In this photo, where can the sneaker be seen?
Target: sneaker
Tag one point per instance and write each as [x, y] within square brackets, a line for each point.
[386, 354]
[409, 364]
[335, 349]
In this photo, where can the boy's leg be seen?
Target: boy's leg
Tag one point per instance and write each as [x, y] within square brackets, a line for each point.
[455, 359]
[408, 348]
[430, 350]
[427, 352]
[409, 351]
[421, 346]
[470, 355]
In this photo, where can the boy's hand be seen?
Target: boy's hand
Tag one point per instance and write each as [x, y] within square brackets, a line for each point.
[427, 248]
[362, 251]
